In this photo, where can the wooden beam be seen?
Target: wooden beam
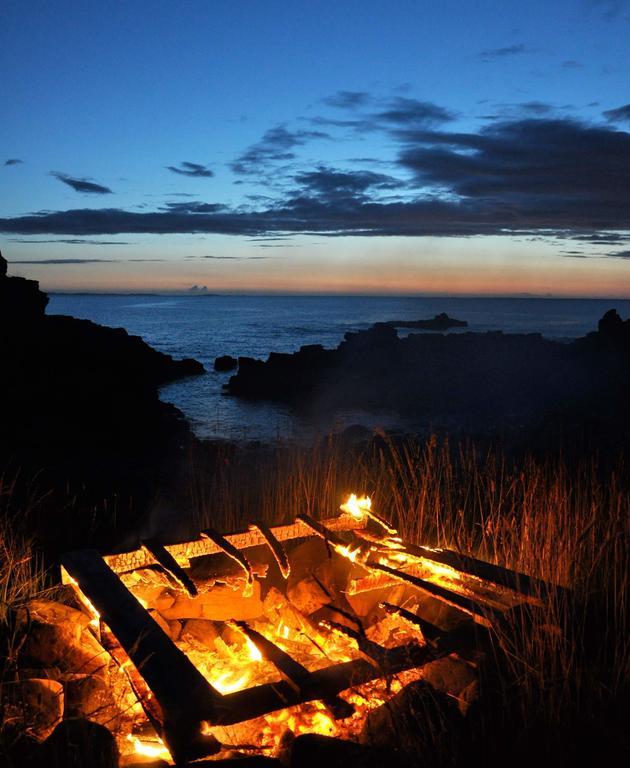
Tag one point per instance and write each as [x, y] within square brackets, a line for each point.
[481, 612]
[185, 696]
[171, 566]
[140, 558]
[527, 586]
[322, 684]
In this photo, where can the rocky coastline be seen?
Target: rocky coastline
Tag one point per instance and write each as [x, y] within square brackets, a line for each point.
[483, 382]
[82, 419]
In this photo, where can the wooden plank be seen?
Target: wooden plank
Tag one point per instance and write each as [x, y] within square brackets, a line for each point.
[481, 612]
[231, 551]
[524, 585]
[140, 558]
[277, 550]
[185, 696]
[430, 632]
[291, 670]
[322, 684]
[171, 566]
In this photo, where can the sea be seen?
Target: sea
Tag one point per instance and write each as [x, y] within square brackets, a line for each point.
[206, 326]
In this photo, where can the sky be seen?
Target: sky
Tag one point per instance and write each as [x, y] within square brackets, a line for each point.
[334, 147]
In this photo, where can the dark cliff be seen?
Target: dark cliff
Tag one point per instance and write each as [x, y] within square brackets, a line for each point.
[81, 413]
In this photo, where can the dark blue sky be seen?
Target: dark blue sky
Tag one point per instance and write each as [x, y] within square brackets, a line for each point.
[330, 146]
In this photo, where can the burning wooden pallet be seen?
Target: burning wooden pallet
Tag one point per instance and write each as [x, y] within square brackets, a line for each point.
[228, 641]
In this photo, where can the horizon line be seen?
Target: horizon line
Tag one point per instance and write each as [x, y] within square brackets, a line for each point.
[338, 294]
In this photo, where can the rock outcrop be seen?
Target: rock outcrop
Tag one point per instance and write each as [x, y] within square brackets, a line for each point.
[478, 383]
[81, 413]
[441, 322]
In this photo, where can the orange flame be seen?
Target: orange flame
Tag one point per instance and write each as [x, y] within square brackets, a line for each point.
[356, 506]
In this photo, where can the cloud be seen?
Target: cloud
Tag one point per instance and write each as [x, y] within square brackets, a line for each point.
[331, 184]
[618, 115]
[13, 161]
[61, 261]
[500, 53]
[82, 185]
[79, 261]
[277, 144]
[619, 255]
[231, 258]
[404, 111]
[610, 10]
[194, 207]
[399, 112]
[348, 99]
[194, 170]
[559, 165]
[528, 177]
[71, 241]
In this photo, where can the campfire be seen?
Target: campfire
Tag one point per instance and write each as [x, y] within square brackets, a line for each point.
[239, 643]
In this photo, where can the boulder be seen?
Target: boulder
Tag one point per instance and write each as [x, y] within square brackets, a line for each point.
[225, 363]
[422, 724]
[454, 677]
[35, 706]
[202, 631]
[90, 697]
[317, 577]
[79, 744]
[58, 636]
[316, 751]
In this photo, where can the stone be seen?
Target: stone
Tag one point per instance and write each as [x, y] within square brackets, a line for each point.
[449, 675]
[201, 630]
[90, 697]
[316, 751]
[59, 636]
[422, 724]
[317, 577]
[225, 363]
[160, 621]
[79, 744]
[36, 704]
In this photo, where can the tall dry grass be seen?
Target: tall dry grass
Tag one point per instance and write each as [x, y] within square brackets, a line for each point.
[568, 524]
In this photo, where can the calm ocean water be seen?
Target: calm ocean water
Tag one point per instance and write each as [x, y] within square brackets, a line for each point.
[204, 327]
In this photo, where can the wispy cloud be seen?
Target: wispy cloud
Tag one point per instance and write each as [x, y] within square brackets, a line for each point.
[61, 261]
[81, 185]
[229, 258]
[70, 241]
[490, 54]
[78, 261]
[193, 170]
[348, 99]
[618, 115]
[277, 144]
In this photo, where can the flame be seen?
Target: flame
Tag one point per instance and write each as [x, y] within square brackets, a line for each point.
[346, 551]
[358, 507]
[150, 749]
[224, 684]
[254, 652]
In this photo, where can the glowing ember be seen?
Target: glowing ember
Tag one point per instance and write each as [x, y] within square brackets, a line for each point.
[150, 749]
